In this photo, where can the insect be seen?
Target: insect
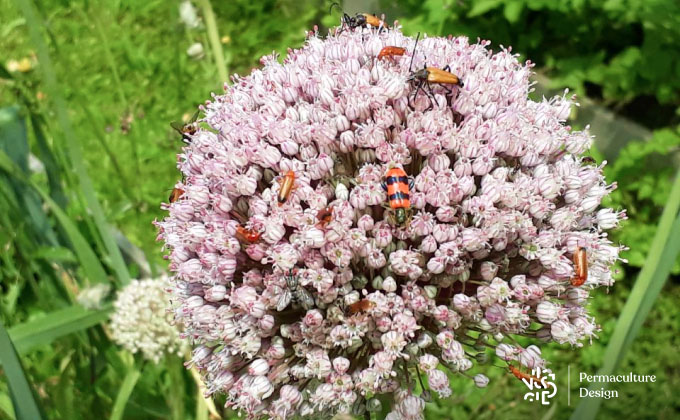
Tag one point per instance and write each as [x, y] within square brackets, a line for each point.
[247, 235]
[398, 186]
[175, 194]
[287, 183]
[186, 130]
[360, 20]
[391, 52]
[423, 78]
[294, 293]
[522, 375]
[580, 266]
[324, 216]
[361, 306]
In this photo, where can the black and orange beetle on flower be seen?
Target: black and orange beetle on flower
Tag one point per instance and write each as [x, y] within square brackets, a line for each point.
[398, 187]
[423, 78]
[360, 20]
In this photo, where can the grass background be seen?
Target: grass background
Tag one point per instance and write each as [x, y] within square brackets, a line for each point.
[123, 71]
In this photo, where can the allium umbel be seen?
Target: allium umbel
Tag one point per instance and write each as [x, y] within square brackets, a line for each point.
[141, 321]
[303, 293]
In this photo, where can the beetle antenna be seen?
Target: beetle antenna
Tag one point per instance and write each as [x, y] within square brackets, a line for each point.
[414, 53]
[335, 3]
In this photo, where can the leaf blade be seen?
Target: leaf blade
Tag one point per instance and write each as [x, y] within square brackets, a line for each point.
[56, 324]
[124, 393]
[23, 398]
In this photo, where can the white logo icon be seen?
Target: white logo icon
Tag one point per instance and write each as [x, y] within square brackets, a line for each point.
[542, 380]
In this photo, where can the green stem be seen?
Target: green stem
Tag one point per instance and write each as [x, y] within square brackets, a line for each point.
[214, 37]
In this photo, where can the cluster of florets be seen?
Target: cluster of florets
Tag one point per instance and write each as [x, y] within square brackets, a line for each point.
[142, 320]
[302, 293]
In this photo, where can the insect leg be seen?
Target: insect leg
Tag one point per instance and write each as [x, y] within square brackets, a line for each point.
[430, 94]
[415, 96]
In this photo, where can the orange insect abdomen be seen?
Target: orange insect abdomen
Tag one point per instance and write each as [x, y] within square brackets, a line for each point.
[580, 267]
[391, 52]
[247, 235]
[175, 194]
[435, 75]
[374, 21]
[286, 187]
[398, 192]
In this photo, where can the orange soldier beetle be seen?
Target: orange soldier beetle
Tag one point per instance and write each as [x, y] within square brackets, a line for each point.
[580, 266]
[360, 20]
[527, 376]
[423, 78]
[361, 306]
[325, 216]
[247, 235]
[175, 194]
[398, 187]
[186, 130]
[287, 183]
[391, 52]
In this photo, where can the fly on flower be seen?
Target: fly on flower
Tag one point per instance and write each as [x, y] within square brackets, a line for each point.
[188, 129]
[423, 78]
[361, 306]
[580, 266]
[360, 20]
[294, 293]
[398, 187]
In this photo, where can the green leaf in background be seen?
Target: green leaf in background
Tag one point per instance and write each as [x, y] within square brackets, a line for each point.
[124, 393]
[56, 324]
[6, 406]
[50, 161]
[23, 398]
[35, 26]
[665, 249]
[86, 255]
[14, 142]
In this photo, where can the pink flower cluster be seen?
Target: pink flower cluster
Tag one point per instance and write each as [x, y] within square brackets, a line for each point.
[297, 314]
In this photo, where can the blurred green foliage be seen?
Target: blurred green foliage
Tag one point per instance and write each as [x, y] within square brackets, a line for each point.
[125, 72]
[624, 52]
[644, 173]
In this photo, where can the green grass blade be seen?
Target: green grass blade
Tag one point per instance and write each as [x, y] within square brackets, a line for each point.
[14, 142]
[50, 161]
[36, 28]
[215, 43]
[23, 398]
[6, 406]
[86, 256]
[56, 324]
[660, 260]
[124, 393]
